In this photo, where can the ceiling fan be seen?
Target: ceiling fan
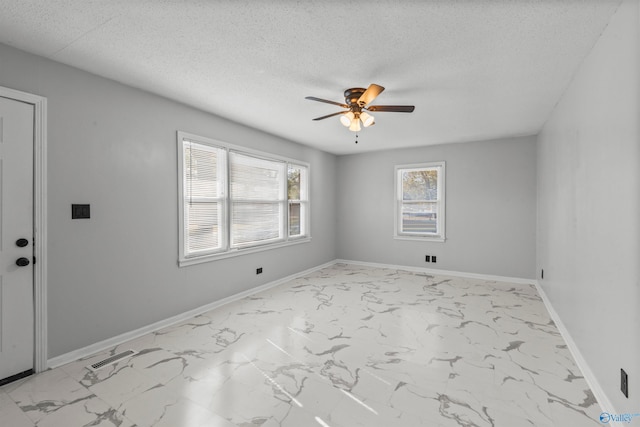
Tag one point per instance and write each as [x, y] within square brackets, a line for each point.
[357, 102]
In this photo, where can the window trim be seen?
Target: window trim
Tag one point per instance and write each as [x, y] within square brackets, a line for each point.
[227, 251]
[441, 213]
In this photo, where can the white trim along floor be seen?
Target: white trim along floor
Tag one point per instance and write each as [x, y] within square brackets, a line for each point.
[343, 346]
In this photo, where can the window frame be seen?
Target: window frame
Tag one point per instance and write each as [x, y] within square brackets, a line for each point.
[439, 236]
[226, 251]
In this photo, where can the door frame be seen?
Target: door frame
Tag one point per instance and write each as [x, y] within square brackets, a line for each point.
[39, 220]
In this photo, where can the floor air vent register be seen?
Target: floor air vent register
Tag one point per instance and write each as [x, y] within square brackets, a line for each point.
[111, 360]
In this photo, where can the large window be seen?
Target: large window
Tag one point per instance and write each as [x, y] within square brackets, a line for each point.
[234, 200]
[420, 201]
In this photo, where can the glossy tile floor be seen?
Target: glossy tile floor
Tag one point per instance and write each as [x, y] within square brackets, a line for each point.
[345, 346]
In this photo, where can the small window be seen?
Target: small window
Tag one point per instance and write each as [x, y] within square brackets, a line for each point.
[298, 198]
[420, 201]
[235, 200]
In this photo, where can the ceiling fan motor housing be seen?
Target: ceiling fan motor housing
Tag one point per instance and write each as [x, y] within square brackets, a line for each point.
[351, 96]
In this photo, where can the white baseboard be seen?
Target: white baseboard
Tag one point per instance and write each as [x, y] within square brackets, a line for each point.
[435, 271]
[596, 388]
[89, 350]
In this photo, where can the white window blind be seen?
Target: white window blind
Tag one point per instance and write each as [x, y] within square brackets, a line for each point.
[204, 204]
[257, 199]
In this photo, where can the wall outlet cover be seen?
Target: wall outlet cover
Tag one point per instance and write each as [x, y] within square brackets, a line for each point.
[80, 211]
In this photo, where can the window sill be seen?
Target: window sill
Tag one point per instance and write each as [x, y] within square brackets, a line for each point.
[421, 238]
[184, 262]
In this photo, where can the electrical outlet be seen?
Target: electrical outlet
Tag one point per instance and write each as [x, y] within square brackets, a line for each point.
[259, 270]
[427, 258]
[80, 211]
[433, 258]
[624, 383]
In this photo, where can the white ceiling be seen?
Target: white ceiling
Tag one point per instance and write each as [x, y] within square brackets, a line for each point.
[474, 69]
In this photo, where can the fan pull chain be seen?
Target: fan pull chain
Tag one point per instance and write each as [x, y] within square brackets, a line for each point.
[356, 138]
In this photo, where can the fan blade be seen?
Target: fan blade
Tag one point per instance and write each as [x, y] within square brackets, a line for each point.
[330, 115]
[313, 98]
[370, 94]
[392, 108]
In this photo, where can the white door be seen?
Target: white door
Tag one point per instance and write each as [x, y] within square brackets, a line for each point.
[16, 222]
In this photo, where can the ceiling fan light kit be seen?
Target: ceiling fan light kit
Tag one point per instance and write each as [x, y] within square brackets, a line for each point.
[357, 102]
[355, 125]
[366, 119]
[346, 118]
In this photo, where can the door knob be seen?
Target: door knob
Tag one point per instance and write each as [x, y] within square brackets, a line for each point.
[21, 243]
[22, 262]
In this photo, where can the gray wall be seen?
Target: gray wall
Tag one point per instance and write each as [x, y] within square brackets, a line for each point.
[490, 208]
[115, 147]
[589, 207]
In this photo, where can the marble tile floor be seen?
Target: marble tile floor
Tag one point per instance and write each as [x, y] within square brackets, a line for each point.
[345, 346]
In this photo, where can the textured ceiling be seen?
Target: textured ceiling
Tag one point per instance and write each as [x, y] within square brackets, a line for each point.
[475, 69]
